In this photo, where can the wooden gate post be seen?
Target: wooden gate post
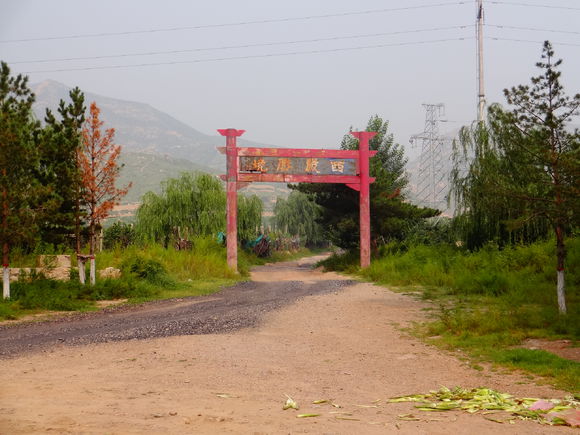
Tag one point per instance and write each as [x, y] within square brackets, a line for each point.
[364, 196]
[232, 195]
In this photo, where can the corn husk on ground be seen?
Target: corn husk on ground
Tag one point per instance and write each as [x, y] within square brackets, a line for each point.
[493, 404]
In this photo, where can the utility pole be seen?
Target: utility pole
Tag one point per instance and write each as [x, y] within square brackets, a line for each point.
[479, 34]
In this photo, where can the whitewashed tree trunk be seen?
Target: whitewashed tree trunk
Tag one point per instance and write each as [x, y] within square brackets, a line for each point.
[561, 292]
[6, 282]
[81, 266]
[93, 271]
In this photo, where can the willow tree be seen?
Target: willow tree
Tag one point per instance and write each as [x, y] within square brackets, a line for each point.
[192, 205]
[526, 162]
[249, 216]
[297, 216]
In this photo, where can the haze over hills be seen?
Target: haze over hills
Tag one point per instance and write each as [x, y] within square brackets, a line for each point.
[155, 146]
[140, 127]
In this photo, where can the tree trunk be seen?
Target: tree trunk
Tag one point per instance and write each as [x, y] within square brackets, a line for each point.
[5, 270]
[92, 245]
[5, 246]
[561, 254]
[80, 263]
[6, 282]
[92, 270]
[81, 266]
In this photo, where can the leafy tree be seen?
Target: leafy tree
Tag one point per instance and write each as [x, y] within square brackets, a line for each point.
[390, 215]
[99, 171]
[297, 216]
[193, 205]
[526, 165]
[60, 143]
[249, 216]
[20, 191]
[119, 234]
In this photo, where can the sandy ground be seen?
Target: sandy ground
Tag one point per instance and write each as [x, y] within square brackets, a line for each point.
[347, 346]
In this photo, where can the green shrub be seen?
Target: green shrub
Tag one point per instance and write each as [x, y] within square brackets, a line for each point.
[50, 295]
[146, 268]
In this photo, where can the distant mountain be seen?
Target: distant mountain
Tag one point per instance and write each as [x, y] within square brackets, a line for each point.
[140, 127]
[155, 146]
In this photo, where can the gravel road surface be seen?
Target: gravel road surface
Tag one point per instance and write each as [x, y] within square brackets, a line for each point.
[233, 308]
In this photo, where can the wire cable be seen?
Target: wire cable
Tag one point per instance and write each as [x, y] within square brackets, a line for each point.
[239, 23]
[534, 29]
[531, 41]
[228, 47]
[510, 3]
[257, 56]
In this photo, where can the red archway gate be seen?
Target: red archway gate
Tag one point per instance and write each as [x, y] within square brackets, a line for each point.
[296, 165]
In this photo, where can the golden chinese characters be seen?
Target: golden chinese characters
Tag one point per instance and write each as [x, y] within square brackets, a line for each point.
[284, 165]
[312, 165]
[259, 165]
[337, 166]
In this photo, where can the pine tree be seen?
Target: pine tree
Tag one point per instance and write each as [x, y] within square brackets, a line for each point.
[390, 215]
[61, 140]
[20, 191]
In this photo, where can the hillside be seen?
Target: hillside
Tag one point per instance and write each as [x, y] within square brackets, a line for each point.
[141, 128]
[155, 145]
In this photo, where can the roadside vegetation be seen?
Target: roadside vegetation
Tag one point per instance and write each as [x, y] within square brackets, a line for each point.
[486, 302]
[504, 269]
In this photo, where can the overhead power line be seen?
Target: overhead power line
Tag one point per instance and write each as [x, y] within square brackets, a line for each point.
[257, 56]
[532, 5]
[531, 41]
[239, 23]
[533, 29]
[229, 47]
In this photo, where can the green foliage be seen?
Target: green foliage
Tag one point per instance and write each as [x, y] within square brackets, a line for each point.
[249, 217]
[297, 216]
[49, 295]
[390, 215]
[565, 372]
[523, 177]
[206, 260]
[516, 176]
[146, 268]
[120, 233]
[147, 273]
[23, 200]
[193, 205]
[497, 290]
[490, 300]
[60, 141]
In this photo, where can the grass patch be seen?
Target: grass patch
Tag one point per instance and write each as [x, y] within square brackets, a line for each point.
[148, 273]
[564, 373]
[489, 301]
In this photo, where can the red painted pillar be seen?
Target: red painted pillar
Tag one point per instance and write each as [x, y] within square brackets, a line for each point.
[364, 202]
[232, 195]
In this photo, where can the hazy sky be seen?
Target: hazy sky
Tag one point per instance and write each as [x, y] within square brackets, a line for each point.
[302, 100]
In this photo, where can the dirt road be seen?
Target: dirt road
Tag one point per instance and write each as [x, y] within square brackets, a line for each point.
[293, 331]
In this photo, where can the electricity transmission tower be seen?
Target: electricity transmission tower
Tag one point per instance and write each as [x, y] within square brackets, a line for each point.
[432, 183]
